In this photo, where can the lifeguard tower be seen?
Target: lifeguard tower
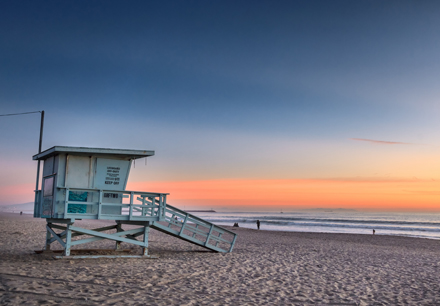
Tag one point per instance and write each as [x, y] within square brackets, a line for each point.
[89, 183]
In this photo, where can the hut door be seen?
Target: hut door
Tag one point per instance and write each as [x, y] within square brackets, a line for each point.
[48, 185]
[78, 176]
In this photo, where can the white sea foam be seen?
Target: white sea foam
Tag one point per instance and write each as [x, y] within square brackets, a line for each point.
[385, 223]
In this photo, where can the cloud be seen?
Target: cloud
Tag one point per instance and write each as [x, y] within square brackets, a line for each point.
[380, 141]
[383, 179]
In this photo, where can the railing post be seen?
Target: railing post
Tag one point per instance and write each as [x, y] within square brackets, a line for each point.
[66, 202]
[130, 215]
[232, 244]
[209, 234]
[152, 200]
[172, 220]
[183, 225]
[219, 236]
[163, 205]
[37, 205]
[197, 226]
[159, 208]
[144, 209]
[99, 203]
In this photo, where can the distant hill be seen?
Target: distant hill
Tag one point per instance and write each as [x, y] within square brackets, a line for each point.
[210, 210]
[17, 207]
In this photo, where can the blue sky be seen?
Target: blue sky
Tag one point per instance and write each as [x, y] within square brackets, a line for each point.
[224, 89]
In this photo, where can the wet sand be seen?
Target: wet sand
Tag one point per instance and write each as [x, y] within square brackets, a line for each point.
[265, 268]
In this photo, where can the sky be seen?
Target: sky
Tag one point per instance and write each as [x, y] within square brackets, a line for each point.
[248, 105]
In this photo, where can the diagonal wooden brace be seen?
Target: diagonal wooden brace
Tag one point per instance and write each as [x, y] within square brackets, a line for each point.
[100, 236]
[56, 237]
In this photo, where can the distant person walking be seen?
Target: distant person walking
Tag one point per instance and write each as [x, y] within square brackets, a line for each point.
[258, 224]
[374, 232]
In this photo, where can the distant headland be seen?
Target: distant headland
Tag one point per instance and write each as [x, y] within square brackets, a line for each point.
[333, 209]
[210, 211]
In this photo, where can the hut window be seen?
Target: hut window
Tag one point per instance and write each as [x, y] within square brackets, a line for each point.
[48, 187]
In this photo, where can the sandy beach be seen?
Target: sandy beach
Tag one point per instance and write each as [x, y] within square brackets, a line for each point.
[265, 268]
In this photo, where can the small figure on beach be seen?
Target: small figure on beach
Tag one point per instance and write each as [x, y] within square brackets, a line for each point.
[258, 224]
[374, 231]
[21, 212]
[236, 224]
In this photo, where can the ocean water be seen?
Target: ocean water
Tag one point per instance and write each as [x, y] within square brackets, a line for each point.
[425, 225]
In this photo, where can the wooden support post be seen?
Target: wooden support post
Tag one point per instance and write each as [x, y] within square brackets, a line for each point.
[68, 240]
[118, 229]
[146, 234]
[48, 237]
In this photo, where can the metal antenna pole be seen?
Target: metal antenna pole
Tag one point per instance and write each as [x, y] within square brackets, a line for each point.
[39, 147]
[41, 131]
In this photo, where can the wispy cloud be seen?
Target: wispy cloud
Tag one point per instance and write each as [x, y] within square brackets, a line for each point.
[379, 180]
[381, 141]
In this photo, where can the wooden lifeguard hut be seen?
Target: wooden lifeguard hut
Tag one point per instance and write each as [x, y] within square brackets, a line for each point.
[90, 183]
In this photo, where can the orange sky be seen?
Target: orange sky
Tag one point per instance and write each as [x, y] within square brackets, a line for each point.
[239, 194]
[286, 194]
[370, 178]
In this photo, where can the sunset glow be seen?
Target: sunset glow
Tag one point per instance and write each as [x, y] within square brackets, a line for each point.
[386, 195]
